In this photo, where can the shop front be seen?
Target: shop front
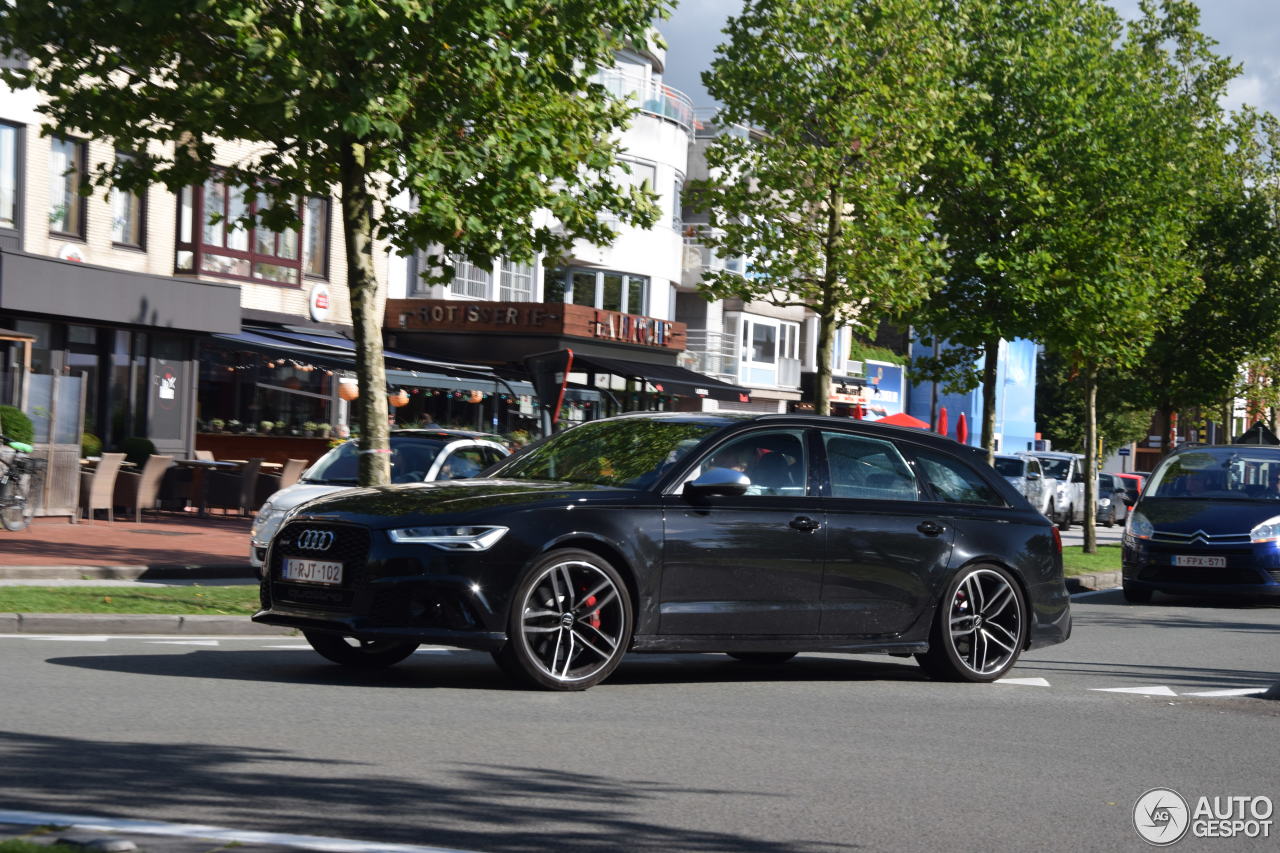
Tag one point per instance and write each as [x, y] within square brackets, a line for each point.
[622, 362]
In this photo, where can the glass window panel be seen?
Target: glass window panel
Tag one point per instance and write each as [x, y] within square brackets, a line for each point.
[867, 468]
[185, 215]
[635, 294]
[315, 226]
[288, 244]
[553, 290]
[64, 183]
[677, 194]
[215, 204]
[584, 289]
[238, 201]
[8, 176]
[954, 482]
[763, 343]
[612, 294]
[275, 272]
[469, 279]
[517, 282]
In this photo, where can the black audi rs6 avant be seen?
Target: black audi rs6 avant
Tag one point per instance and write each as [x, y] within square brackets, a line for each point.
[755, 536]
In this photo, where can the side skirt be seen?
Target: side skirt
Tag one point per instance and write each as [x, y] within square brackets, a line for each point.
[738, 643]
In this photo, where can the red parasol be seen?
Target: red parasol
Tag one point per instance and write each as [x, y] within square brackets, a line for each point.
[962, 429]
[942, 421]
[903, 419]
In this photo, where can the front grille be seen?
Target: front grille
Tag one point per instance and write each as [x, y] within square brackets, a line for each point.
[350, 547]
[1199, 537]
[1275, 575]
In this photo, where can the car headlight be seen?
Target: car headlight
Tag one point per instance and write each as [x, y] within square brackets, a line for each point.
[1267, 531]
[1139, 527]
[1104, 501]
[472, 538]
[266, 523]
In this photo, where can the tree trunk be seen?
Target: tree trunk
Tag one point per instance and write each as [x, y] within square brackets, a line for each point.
[827, 310]
[1090, 460]
[990, 377]
[822, 382]
[1165, 423]
[367, 302]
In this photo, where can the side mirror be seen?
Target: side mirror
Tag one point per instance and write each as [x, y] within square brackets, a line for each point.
[1032, 475]
[1129, 500]
[717, 481]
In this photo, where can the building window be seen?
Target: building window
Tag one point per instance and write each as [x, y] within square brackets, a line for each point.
[470, 280]
[516, 284]
[9, 171]
[677, 201]
[315, 238]
[764, 342]
[66, 175]
[220, 244]
[613, 291]
[127, 215]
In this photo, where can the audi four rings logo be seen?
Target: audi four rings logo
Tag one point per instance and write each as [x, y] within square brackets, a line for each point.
[315, 540]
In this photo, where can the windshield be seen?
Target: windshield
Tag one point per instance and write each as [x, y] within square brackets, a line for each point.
[628, 453]
[411, 458]
[1224, 473]
[1056, 468]
[1008, 467]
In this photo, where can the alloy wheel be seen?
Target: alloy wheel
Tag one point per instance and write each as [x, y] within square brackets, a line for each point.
[985, 622]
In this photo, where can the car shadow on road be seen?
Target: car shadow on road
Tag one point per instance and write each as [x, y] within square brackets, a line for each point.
[1126, 674]
[470, 806]
[461, 670]
[1114, 597]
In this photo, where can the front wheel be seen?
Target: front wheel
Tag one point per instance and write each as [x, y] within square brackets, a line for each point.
[1064, 521]
[359, 653]
[1111, 519]
[16, 508]
[980, 627]
[570, 622]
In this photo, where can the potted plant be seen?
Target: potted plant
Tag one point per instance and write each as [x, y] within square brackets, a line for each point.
[309, 429]
[217, 425]
[234, 426]
[265, 427]
[323, 430]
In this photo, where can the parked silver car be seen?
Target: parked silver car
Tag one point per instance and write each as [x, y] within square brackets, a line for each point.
[417, 455]
[1064, 477]
[1113, 500]
[1024, 474]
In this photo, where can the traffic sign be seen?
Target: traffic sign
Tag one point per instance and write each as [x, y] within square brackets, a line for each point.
[1124, 451]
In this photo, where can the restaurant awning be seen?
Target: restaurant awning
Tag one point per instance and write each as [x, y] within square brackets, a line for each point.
[665, 378]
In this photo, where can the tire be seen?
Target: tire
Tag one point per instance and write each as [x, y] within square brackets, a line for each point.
[16, 509]
[1111, 519]
[1048, 513]
[963, 647]
[360, 654]
[1064, 521]
[762, 658]
[570, 622]
[1136, 595]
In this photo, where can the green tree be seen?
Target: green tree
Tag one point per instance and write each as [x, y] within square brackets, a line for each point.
[1123, 416]
[1134, 149]
[480, 111]
[845, 99]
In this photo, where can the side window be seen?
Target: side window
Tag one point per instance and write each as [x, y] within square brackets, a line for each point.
[773, 461]
[1033, 467]
[868, 468]
[954, 482]
[463, 463]
[491, 456]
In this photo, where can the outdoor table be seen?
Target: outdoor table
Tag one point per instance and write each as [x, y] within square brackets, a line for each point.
[198, 467]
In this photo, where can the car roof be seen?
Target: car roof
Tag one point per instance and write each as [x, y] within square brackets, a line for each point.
[441, 433]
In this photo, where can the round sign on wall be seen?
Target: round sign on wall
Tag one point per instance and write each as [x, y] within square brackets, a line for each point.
[318, 303]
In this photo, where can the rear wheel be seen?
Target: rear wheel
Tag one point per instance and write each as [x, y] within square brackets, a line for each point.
[980, 627]
[1136, 595]
[359, 653]
[762, 658]
[570, 622]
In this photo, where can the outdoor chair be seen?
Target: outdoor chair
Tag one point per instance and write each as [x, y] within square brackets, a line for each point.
[232, 489]
[205, 455]
[141, 490]
[97, 487]
[269, 484]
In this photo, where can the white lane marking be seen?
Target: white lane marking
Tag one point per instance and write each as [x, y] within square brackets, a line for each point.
[1159, 690]
[214, 833]
[182, 642]
[306, 646]
[1076, 595]
[1237, 691]
[64, 638]
[1023, 682]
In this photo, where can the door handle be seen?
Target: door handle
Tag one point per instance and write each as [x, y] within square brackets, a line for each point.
[805, 523]
[929, 528]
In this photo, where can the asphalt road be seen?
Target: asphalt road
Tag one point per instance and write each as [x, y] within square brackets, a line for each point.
[696, 752]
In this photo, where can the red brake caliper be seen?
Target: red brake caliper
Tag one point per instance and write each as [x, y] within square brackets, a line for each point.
[594, 618]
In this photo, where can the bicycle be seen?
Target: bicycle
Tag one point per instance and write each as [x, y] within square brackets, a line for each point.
[21, 476]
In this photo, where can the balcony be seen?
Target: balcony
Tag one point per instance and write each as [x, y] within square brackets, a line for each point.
[653, 98]
[711, 353]
[700, 258]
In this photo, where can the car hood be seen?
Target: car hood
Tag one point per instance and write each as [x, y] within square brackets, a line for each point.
[391, 506]
[286, 499]
[1184, 515]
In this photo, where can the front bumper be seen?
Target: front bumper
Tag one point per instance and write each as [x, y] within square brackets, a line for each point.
[1251, 569]
[415, 592]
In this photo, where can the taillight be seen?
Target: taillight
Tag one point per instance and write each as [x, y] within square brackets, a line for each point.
[1057, 539]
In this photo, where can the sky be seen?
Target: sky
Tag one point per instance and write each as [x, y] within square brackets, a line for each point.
[1247, 31]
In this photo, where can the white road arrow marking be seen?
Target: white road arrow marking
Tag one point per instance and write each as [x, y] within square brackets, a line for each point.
[1237, 691]
[1159, 690]
[182, 642]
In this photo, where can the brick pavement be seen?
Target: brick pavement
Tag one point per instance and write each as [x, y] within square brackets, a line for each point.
[164, 541]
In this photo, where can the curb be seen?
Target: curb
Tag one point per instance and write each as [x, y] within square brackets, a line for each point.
[129, 573]
[1093, 581]
[111, 623]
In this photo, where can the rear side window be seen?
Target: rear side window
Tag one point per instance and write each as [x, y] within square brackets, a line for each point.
[868, 468]
[953, 481]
